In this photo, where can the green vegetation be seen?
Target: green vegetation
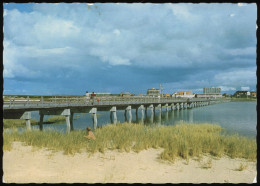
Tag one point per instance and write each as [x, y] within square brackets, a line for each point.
[56, 119]
[243, 100]
[11, 123]
[183, 140]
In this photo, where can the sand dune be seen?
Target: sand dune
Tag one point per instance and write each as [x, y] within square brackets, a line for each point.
[26, 164]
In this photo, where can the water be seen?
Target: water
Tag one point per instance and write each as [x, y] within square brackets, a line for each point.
[235, 117]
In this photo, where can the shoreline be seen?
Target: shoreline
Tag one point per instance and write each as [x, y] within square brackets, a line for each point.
[27, 164]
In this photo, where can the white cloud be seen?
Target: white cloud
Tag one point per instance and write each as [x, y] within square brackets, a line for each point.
[116, 31]
[241, 51]
[245, 88]
[226, 88]
[235, 78]
[115, 60]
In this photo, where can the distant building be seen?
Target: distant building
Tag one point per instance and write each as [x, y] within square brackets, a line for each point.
[100, 94]
[244, 94]
[153, 92]
[166, 95]
[183, 94]
[211, 90]
[208, 96]
[253, 94]
[125, 94]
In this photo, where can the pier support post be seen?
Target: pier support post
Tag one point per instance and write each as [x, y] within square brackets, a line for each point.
[113, 113]
[166, 105]
[136, 114]
[160, 108]
[172, 106]
[129, 110]
[27, 117]
[71, 121]
[152, 112]
[178, 106]
[125, 114]
[66, 113]
[142, 113]
[41, 121]
[93, 111]
[152, 108]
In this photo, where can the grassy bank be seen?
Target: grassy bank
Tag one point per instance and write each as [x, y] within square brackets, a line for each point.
[243, 100]
[182, 140]
[12, 123]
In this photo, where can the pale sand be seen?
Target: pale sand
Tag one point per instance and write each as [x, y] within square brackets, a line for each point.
[25, 164]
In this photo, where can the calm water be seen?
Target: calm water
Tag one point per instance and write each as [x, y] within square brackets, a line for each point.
[235, 117]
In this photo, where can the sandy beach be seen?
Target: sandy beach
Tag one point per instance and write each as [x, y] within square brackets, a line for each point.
[26, 164]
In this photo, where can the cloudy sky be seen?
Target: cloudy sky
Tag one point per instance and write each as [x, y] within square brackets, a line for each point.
[71, 48]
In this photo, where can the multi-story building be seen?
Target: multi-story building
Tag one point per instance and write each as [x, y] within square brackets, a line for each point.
[153, 92]
[211, 90]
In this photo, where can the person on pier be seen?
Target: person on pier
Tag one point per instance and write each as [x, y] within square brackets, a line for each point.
[87, 96]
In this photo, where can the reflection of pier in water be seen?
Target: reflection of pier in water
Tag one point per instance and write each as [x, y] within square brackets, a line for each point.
[162, 116]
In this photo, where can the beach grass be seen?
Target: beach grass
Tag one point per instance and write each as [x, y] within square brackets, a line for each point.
[183, 140]
[11, 123]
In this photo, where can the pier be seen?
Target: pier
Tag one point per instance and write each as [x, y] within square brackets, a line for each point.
[20, 107]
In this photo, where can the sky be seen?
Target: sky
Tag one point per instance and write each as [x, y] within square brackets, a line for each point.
[71, 48]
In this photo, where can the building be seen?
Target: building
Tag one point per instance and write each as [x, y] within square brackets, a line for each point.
[253, 94]
[208, 96]
[153, 92]
[183, 95]
[211, 90]
[125, 94]
[244, 94]
[167, 95]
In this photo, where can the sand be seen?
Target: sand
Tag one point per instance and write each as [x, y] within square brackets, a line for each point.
[26, 164]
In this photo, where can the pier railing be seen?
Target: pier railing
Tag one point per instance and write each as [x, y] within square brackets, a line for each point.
[43, 101]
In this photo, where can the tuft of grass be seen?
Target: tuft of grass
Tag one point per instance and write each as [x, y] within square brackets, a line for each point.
[242, 167]
[207, 164]
[183, 140]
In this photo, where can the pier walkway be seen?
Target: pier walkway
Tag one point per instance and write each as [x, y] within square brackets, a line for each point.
[20, 107]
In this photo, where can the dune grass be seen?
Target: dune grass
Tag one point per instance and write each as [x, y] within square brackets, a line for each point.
[11, 123]
[178, 141]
